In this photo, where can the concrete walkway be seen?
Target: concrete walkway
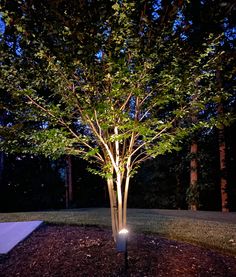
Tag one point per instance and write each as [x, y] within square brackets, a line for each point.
[11, 233]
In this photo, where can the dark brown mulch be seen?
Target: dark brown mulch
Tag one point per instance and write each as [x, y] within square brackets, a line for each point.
[86, 251]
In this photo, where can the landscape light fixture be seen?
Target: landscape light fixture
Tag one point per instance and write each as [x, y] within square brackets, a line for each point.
[121, 244]
[121, 240]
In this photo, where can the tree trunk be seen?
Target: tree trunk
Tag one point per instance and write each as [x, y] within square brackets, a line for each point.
[125, 202]
[222, 152]
[126, 191]
[118, 194]
[113, 207]
[68, 181]
[223, 170]
[119, 200]
[193, 176]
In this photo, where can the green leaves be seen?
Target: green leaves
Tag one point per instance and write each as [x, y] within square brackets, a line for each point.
[103, 67]
[116, 7]
[50, 142]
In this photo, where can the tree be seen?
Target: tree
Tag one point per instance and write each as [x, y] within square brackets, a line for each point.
[212, 17]
[193, 201]
[111, 93]
[222, 151]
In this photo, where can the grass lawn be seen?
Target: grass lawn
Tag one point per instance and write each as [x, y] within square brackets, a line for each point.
[209, 229]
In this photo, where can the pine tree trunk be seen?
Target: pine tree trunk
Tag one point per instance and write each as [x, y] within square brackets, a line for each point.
[223, 178]
[68, 180]
[222, 152]
[193, 176]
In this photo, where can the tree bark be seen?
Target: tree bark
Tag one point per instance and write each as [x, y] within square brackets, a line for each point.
[193, 175]
[118, 187]
[126, 191]
[222, 152]
[223, 169]
[113, 207]
[120, 201]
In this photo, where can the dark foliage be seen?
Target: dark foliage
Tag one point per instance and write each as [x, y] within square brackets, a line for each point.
[30, 183]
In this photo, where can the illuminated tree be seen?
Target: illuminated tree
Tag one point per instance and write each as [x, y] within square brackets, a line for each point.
[107, 87]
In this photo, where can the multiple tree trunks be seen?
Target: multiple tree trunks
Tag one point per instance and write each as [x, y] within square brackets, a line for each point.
[222, 159]
[118, 194]
[223, 175]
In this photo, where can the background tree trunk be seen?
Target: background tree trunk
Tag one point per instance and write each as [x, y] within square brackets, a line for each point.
[223, 169]
[222, 151]
[193, 176]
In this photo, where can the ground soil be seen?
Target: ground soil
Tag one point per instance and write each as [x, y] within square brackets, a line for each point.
[90, 251]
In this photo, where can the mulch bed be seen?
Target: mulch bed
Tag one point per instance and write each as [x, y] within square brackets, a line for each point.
[89, 251]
